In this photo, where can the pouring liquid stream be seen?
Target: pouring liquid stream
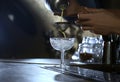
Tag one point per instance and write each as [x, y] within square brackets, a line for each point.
[62, 13]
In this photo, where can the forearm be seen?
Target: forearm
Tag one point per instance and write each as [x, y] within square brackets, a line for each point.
[117, 30]
[115, 12]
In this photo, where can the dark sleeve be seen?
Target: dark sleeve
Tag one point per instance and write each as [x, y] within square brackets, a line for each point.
[99, 3]
[87, 3]
[92, 3]
[108, 4]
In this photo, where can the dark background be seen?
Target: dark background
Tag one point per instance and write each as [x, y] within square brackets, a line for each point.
[19, 34]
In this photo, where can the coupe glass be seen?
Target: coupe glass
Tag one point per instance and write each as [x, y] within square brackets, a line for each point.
[62, 42]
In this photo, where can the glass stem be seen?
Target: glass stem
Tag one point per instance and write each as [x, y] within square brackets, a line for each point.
[62, 61]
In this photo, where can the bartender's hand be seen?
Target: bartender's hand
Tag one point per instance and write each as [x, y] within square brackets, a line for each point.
[100, 21]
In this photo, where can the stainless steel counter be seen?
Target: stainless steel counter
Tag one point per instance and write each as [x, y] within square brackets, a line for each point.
[42, 70]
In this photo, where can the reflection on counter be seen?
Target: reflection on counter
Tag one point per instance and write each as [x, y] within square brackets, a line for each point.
[88, 74]
[93, 74]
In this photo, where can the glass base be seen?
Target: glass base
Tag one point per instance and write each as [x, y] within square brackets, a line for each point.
[56, 68]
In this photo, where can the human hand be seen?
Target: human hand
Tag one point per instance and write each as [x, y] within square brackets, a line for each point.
[100, 21]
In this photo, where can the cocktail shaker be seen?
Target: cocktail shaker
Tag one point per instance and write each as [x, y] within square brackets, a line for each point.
[56, 5]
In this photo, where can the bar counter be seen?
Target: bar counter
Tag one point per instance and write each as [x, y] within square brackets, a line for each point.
[37, 70]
